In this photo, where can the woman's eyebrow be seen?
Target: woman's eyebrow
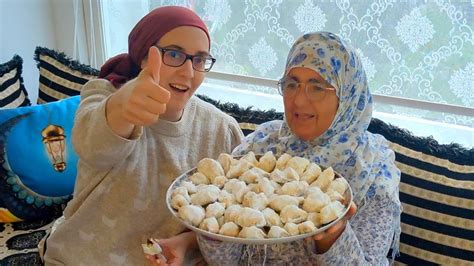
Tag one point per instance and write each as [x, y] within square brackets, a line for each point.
[179, 48]
[321, 82]
[173, 46]
[316, 81]
[312, 80]
[293, 78]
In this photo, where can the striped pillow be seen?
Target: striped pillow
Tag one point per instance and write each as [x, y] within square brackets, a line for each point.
[12, 91]
[60, 76]
[437, 194]
[436, 190]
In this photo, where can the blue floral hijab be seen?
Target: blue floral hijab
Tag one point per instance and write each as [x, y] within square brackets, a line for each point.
[363, 158]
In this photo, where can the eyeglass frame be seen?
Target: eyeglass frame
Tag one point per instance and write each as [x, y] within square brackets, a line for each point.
[299, 84]
[187, 56]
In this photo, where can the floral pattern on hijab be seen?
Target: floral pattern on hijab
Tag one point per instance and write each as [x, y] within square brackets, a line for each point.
[363, 158]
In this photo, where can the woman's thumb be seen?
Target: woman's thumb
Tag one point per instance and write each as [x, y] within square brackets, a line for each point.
[153, 64]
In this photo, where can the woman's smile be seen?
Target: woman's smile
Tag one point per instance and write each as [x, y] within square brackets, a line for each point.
[303, 117]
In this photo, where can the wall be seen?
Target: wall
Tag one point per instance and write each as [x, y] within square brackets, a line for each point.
[69, 24]
[25, 24]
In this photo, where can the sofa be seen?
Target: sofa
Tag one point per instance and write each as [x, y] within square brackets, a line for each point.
[436, 189]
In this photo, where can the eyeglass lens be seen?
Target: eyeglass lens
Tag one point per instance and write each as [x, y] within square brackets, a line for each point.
[313, 90]
[178, 58]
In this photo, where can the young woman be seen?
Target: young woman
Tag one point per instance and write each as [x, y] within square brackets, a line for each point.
[328, 108]
[136, 130]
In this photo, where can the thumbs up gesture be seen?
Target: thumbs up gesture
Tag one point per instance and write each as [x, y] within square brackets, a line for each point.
[141, 101]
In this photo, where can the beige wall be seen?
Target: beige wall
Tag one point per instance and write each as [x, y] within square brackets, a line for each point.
[25, 24]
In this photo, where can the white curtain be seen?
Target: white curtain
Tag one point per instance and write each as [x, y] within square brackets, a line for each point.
[420, 50]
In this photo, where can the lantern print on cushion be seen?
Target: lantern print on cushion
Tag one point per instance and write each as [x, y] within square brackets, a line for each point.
[38, 163]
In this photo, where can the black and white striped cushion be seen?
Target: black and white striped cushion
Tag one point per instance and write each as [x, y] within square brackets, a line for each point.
[12, 91]
[60, 76]
[436, 191]
[437, 194]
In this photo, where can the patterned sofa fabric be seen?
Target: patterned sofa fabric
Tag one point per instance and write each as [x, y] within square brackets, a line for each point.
[19, 244]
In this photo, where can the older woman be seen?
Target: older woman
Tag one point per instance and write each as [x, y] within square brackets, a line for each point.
[328, 109]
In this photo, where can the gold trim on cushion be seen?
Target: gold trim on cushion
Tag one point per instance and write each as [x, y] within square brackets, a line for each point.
[51, 92]
[41, 101]
[65, 68]
[431, 159]
[60, 80]
[437, 217]
[438, 238]
[17, 102]
[430, 256]
[439, 197]
[248, 126]
[436, 178]
[16, 86]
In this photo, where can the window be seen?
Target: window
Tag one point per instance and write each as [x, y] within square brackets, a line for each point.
[418, 55]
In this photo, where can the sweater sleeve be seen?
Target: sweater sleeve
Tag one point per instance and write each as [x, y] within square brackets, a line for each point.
[236, 134]
[365, 240]
[94, 141]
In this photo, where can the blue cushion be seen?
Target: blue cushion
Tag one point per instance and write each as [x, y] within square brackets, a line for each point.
[33, 185]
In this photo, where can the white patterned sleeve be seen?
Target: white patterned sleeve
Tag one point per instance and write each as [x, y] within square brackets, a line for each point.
[244, 147]
[367, 237]
[259, 141]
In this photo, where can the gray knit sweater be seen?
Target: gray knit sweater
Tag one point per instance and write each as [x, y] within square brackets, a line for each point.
[119, 196]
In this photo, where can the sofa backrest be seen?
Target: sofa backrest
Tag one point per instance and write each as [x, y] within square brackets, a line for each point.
[436, 190]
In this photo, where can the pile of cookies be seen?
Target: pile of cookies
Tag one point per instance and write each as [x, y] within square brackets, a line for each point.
[260, 197]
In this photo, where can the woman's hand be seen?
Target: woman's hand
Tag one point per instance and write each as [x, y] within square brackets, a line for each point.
[140, 101]
[326, 239]
[174, 249]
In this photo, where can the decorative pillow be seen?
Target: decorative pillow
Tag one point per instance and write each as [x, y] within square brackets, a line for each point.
[19, 242]
[38, 163]
[436, 190]
[437, 194]
[12, 91]
[60, 76]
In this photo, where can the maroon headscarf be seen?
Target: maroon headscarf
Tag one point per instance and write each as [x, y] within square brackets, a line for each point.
[148, 31]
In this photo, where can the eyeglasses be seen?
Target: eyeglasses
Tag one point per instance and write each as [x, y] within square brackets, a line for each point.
[176, 58]
[315, 91]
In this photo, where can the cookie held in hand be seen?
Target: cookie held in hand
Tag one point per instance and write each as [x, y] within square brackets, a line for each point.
[152, 248]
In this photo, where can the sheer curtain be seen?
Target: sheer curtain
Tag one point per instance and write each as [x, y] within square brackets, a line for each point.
[418, 55]
[119, 17]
